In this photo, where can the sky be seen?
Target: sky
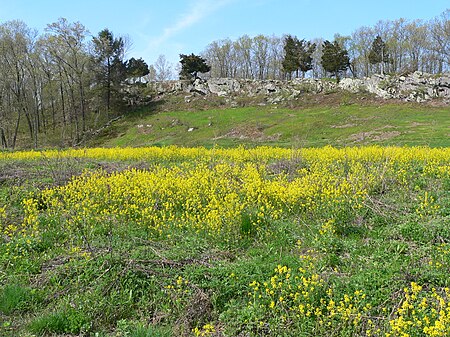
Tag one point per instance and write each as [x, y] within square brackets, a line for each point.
[172, 27]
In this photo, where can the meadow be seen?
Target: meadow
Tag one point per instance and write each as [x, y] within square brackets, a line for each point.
[170, 241]
[337, 119]
[344, 121]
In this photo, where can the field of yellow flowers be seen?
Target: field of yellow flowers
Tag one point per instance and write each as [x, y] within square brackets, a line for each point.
[225, 242]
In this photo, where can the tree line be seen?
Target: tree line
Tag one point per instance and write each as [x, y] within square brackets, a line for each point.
[65, 83]
[62, 83]
[391, 46]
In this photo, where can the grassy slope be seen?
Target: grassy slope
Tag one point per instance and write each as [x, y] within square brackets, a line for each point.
[337, 125]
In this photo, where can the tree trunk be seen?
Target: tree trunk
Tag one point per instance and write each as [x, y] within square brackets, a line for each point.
[83, 108]
[52, 102]
[16, 130]
[3, 138]
[63, 108]
[30, 123]
[108, 87]
[36, 129]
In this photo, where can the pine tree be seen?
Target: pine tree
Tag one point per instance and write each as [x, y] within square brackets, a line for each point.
[335, 58]
[111, 70]
[379, 53]
[306, 49]
[191, 65]
[291, 60]
[137, 68]
[297, 56]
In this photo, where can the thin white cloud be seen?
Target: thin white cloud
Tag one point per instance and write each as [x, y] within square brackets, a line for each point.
[200, 9]
[165, 43]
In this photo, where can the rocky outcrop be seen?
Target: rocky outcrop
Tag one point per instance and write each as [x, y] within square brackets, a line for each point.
[413, 87]
[224, 86]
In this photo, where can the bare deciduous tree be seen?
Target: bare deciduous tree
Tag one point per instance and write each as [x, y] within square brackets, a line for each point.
[164, 69]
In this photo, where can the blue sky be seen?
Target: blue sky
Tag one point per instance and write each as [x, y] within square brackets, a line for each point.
[171, 27]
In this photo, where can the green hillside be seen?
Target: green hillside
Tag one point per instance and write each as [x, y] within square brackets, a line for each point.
[337, 125]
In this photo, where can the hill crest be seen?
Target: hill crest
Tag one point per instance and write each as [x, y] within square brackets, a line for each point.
[414, 87]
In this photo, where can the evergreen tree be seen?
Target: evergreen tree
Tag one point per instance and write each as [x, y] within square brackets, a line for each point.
[291, 60]
[111, 70]
[379, 53]
[137, 68]
[335, 58]
[305, 50]
[297, 56]
[191, 65]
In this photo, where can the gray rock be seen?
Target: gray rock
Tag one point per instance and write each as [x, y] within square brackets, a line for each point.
[351, 84]
[223, 86]
[417, 86]
[200, 86]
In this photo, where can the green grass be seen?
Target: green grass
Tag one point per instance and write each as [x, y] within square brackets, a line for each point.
[333, 118]
[70, 321]
[14, 298]
[346, 125]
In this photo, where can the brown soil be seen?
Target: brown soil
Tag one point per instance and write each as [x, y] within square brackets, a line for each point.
[414, 124]
[373, 135]
[344, 126]
[253, 133]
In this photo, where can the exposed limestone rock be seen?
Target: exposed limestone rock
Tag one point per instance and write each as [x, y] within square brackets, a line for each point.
[200, 86]
[223, 86]
[417, 86]
[168, 87]
[352, 85]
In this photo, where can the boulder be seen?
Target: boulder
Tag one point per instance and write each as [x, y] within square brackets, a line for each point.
[223, 86]
[351, 84]
[199, 86]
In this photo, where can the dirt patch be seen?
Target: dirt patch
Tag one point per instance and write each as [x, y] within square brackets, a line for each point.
[12, 175]
[363, 119]
[438, 102]
[144, 128]
[344, 126]
[414, 124]
[386, 127]
[253, 133]
[360, 136]
[40, 173]
[387, 135]
[49, 172]
[373, 136]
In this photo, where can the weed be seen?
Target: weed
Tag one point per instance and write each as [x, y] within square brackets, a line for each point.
[67, 321]
[14, 297]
